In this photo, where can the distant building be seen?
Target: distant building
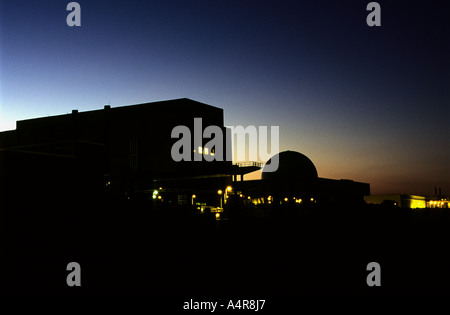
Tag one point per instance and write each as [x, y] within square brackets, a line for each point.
[438, 200]
[408, 201]
[398, 200]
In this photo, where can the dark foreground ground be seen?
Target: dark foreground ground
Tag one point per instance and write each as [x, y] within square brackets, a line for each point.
[131, 249]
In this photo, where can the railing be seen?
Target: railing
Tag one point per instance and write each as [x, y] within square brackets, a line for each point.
[247, 164]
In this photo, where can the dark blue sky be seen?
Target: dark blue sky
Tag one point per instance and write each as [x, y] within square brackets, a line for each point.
[369, 104]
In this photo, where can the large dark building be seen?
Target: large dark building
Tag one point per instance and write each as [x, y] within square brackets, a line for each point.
[124, 152]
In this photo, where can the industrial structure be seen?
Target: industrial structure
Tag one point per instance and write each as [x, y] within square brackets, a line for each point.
[124, 153]
[296, 182]
[409, 201]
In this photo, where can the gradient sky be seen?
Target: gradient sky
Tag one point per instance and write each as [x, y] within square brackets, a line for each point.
[368, 104]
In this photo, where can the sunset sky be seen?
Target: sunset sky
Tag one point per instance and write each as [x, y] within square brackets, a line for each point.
[370, 104]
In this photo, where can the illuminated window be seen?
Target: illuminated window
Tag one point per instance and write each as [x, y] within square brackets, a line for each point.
[213, 151]
[415, 204]
[206, 151]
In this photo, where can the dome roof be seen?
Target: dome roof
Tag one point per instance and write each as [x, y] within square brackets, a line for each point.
[295, 170]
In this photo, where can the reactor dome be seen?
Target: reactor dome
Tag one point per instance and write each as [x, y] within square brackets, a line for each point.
[295, 171]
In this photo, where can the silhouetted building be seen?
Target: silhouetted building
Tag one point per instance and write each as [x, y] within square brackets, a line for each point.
[123, 151]
[296, 181]
[126, 153]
